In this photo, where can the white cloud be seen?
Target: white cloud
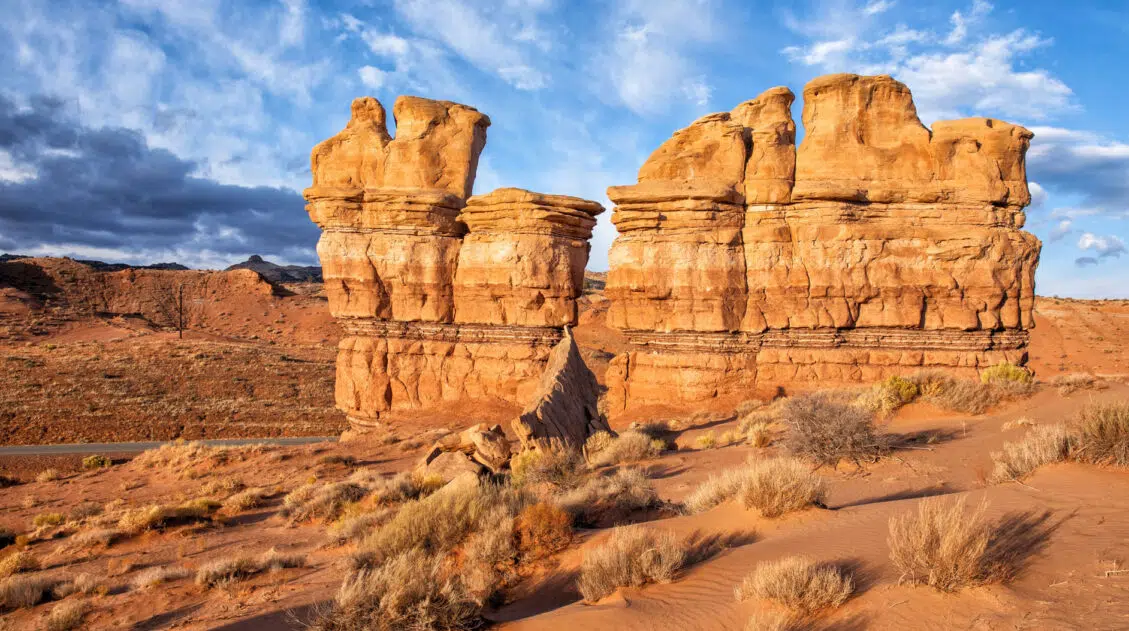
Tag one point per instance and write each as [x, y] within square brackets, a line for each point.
[961, 21]
[13, 172]
[373, 78]
[874, 7]
[1107, 246]
[1061, 230]
[1038, 194]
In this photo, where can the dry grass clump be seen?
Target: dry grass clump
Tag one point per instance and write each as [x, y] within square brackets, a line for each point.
[82, 583]
[1073, 382]
[630, 446]
[970, 397]
[799, 584]
[95, 537]
[542, 529]
[885, 397]
[1041, 445]
[440, 521]
[246, 499]
[613, 497]
[27, 590]
[48, 519]
[1102, 431]
[1006, 372]
[707, 440]
[632, 556]
[826, 431]
[597, 442]
[322, 502]
[411, 591]
[221, 487]
[560, 467]
[48, 475]
[157, 575]
[773, 487]
[943, 545]
[156, 516]
[237, 568]
[18, 561]
[96, 461]
[67, 615]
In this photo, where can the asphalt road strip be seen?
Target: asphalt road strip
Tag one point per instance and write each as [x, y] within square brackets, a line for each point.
[120, 448]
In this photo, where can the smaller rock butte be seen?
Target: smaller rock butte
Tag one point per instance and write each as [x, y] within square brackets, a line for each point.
[443, 297]
[743, 263]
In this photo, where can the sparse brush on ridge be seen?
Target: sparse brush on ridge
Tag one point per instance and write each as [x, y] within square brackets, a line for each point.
[153, 576]
[632, 556]
[18, 561]
[245, 500]
[27, 590]
[240, 567]
[323, 502]
[630, 446]
[67, 615]
[181, 457]
[612, 496]
[773, 487]
[1041, 445]
[1102, 431]
[799, 584]
[1073, 382]
[825, 431]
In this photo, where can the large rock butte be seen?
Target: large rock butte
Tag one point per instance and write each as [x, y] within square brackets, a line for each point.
[443, 297]
[880, 245]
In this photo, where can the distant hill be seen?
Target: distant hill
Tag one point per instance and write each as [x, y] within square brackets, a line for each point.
[101, 266]
[280, 273]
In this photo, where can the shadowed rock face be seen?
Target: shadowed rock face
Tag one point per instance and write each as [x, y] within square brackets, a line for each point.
[443, 297]
[876, 246]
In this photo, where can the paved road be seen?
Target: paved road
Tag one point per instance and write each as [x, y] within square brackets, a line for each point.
[120, 448]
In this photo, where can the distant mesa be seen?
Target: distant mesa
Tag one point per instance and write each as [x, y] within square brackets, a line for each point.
[280, 273]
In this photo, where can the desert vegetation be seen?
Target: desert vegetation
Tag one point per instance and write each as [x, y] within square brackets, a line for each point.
[772, 487]
[799, 584]
[631, 556]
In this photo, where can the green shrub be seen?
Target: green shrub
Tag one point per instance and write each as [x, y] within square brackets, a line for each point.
[1006, 372]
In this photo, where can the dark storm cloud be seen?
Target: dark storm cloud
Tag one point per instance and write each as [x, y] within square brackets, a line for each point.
[107, 188]
[1081, 163]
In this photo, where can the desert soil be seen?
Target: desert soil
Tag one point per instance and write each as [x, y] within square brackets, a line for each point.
[87, 378]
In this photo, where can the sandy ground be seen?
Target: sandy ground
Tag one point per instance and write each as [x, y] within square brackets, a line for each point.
[84, 379]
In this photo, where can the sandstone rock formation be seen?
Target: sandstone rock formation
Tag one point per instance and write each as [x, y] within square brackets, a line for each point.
[487, 447]
[877, 246]
[443, 297]
[565, 411]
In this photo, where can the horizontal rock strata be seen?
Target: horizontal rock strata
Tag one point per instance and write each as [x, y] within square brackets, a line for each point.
[745, 263]
[443, 297]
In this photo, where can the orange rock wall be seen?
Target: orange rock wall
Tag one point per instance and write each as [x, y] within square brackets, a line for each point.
[443, 297]
[745, 263]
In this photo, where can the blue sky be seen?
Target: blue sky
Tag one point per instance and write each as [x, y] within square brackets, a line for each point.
[145, 130]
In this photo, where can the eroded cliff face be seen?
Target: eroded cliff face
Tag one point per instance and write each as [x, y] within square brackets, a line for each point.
[443, 297]
[744, 263]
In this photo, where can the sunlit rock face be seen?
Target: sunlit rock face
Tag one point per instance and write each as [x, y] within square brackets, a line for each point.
[444, 297]
[744, 263]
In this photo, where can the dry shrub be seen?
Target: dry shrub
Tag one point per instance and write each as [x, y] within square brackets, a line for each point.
[246, 500]
[82, 583]
[440, 521]
[325, 502]
[85, 510]
[272, 560]
[223, 571]
[90, 463]
[612, 496]
[189, 458]
[222, 487]
[154, 576]
[412, 591]
[1069, 384]
[48, 519]
[885, 397]
[542, 529]
[776, 620]
[155, 516]
[943, 545]
[48, 475]
[597, 442]
[1006, 372]
[632, 556]
[384, 489]
[962, 395]
[826, 431]
[1102, 431]
[799, 584]
[707, 440]
[560, 467]
[95, 537]
[773, 487]
[16, 562]
[630, 446]
[67, 615]
[27, 590]
[356, 523]
[1041, 445]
